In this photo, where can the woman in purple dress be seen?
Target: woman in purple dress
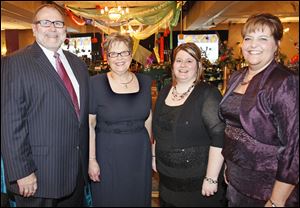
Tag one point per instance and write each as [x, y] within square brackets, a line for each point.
[260, 109]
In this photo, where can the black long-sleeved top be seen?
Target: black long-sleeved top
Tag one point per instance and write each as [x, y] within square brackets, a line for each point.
[198, 123]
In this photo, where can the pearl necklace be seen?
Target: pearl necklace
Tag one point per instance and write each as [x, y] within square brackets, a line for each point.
[179, 96]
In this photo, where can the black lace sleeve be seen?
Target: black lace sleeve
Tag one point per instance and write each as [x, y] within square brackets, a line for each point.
[214, 126]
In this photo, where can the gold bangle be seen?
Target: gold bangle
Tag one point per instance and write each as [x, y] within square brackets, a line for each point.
[92, 158]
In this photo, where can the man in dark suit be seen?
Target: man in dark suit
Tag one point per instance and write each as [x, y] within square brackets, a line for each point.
[44, 118]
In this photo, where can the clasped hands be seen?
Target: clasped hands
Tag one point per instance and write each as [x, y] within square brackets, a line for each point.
[27, 185]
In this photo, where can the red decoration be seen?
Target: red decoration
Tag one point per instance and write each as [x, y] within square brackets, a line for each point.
[161, 49]
[94, 40]
[166, 32]
[98, 7]
[67, 41]
[180, 36]
[295, 59]
[75, 19]
[69, 13]
[223, 57]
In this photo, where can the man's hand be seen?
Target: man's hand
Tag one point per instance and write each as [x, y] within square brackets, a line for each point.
[27, 185]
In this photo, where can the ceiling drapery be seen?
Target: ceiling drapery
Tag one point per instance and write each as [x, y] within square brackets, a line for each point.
[148, 20]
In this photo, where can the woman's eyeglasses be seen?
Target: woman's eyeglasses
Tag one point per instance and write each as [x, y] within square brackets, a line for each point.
[115, 54]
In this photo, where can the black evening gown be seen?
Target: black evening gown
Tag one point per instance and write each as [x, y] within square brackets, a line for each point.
[123, 144]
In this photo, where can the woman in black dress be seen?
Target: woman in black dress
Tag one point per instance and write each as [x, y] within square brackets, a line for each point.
[188, 136]
[120, 124]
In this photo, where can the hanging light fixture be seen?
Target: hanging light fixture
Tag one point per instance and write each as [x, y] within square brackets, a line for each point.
[114, 13]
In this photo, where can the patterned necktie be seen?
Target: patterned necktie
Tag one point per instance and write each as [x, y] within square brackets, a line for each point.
[68, 84]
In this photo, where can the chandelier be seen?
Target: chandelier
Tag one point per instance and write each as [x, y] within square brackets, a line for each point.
[114, 13]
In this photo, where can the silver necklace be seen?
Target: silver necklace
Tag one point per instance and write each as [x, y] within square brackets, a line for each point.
[176, 96]
[126, 83]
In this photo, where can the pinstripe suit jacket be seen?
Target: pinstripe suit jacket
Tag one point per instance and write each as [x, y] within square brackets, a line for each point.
[40, 131]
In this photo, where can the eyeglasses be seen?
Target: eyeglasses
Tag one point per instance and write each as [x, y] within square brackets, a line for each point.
[48, 23]
[122, 54]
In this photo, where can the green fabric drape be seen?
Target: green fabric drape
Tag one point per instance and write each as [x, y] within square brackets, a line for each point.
[151, 19]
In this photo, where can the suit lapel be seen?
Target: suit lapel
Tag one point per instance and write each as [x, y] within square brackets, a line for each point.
[45, 65]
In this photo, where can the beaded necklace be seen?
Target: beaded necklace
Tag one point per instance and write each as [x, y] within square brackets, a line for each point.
[179, 96]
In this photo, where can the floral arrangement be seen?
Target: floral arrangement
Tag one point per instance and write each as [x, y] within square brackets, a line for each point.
[214, 73]
[226, 56]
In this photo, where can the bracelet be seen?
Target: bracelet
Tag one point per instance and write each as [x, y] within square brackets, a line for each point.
[272, 203]
[210, 180]
[92, 158]
[153, 155]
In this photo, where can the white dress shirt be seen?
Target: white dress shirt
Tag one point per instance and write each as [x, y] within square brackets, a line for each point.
[50, 56]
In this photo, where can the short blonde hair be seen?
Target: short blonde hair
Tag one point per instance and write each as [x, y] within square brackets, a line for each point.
[193, 50]
[260, 21]
[118, 37]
